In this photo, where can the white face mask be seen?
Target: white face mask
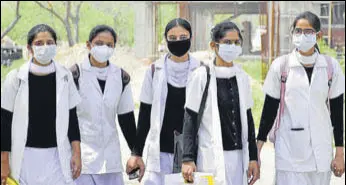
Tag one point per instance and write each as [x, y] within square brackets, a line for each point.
[102, 53]
[229, 52]
[44, 54]
[307, 60]
[304, 43]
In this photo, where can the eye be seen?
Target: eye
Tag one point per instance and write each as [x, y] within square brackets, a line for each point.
[309, 31]
[172, 38]
[39, 43]
[184, 37]
[297, 31]
[50, 42]
[98, 43]
[237, 42]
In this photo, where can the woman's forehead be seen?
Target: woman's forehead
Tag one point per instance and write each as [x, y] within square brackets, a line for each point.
[231, 34]
[178, 30]
[104, 36]
[303, 23]
[43, 36]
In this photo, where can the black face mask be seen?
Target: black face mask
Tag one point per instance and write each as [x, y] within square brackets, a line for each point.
[179, 48]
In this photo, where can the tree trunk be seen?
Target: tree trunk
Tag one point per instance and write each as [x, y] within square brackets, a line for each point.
[67, 24]
[76, 22]
[14, 22]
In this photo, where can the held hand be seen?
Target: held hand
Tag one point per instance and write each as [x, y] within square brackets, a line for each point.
[253, 172]
[76, 165]
[5, 168]
[133, 163]
[338, 166]
[187, 169]
[141, 165]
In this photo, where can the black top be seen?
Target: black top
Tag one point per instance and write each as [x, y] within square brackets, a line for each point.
[42, 116]
[173, 118]
[42, 111]
[229, 111]
[102, 84]
[271, 106]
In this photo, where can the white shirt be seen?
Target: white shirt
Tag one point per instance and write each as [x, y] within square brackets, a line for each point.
[14, 98]
[305, 106]
[97, 113]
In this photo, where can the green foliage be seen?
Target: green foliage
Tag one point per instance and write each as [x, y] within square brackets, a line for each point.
[32, 14]
[325, 49]
[166, 12]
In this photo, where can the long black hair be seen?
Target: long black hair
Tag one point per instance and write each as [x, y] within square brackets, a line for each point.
[178, 22]
[313, 20]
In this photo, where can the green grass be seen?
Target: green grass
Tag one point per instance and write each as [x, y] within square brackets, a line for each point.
[253, 68]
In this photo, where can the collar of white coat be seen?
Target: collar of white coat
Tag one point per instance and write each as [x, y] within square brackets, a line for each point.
[85, 65]
[293, 61]
[23, 72]
[160, 63]
[237, 68]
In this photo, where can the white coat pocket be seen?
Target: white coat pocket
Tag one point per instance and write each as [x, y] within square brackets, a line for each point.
[299, 142]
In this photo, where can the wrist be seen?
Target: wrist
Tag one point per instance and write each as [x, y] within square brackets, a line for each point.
[339, 152]
[5, 156]
[76, 148]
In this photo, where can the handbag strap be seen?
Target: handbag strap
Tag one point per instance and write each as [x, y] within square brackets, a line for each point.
[204, 98]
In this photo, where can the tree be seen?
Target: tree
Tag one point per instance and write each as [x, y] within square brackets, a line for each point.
[14, 22]
[66, 20]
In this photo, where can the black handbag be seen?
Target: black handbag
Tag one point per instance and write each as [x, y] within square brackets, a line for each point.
[178, 137]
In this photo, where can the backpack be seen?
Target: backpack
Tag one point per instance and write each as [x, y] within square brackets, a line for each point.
[76, 74]
[284, 74]
[178, 137]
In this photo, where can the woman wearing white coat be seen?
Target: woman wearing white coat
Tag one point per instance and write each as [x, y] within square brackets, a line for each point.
[40, 139]
[162, 104]
[106, 94]
[303, 144]
[226, 136]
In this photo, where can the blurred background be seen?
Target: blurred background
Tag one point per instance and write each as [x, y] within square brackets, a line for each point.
[265, 26]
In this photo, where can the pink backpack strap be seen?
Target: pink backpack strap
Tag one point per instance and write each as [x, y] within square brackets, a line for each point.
[330, 71]
[284, 74]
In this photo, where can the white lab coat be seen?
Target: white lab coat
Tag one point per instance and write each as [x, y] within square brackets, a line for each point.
[305, 106]
[210, 157]
[97, 112]
[154, 92]
[15, 98]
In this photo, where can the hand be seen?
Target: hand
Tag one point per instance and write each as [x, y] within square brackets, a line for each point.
[187, 169]
[338, 166]
[5, 167]
[76, 165]
[133, 163]
[254, 172]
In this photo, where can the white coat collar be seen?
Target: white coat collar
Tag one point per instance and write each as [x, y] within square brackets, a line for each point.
[160, 63]
[23, 72]
[85, 65]
[293, 62]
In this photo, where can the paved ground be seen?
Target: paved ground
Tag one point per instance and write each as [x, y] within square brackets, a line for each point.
[267, 169]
